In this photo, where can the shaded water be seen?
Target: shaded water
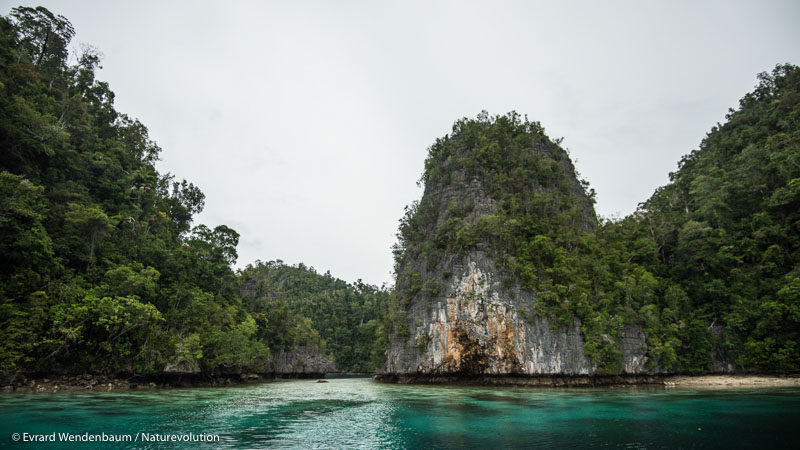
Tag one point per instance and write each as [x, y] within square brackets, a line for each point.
[357, 412]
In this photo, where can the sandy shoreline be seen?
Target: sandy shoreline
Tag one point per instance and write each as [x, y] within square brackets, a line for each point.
[711, 381]
[732, 381]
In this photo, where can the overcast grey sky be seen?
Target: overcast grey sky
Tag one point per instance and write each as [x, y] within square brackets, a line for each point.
[306, 123]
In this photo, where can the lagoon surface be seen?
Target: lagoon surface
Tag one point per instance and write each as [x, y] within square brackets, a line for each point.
[357, 412]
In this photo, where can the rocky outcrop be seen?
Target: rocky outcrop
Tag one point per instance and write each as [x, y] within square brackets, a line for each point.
[183, 366]
[477, 327]
[300, 361]
[462, 315]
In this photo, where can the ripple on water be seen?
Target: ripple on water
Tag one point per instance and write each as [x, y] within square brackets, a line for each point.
[361, 413]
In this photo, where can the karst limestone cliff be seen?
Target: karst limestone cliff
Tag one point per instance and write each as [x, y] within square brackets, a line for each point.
[477, 327]
[458, 312]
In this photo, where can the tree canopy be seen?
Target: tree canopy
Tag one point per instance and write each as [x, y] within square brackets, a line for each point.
[103, 269]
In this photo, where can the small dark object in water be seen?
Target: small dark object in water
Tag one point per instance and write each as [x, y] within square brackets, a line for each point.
[322, 381]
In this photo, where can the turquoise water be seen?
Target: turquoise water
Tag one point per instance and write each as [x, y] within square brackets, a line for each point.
[357, 412]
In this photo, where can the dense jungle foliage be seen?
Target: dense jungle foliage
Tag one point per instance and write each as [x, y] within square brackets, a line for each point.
[101, 268]
[346, 315]
[726, 231]
[707, 266]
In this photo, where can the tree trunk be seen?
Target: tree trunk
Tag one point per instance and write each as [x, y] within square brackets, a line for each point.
[44, 48]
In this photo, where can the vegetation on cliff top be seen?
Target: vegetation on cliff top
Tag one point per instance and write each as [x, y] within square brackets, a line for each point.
[708, 265]
[535, 219]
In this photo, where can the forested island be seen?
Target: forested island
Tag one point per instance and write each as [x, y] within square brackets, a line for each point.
[502, 268]
[103, 270]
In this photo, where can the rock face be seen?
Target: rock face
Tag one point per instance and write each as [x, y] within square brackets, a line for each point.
[479, 328]
[459, 313]
[304, 360]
